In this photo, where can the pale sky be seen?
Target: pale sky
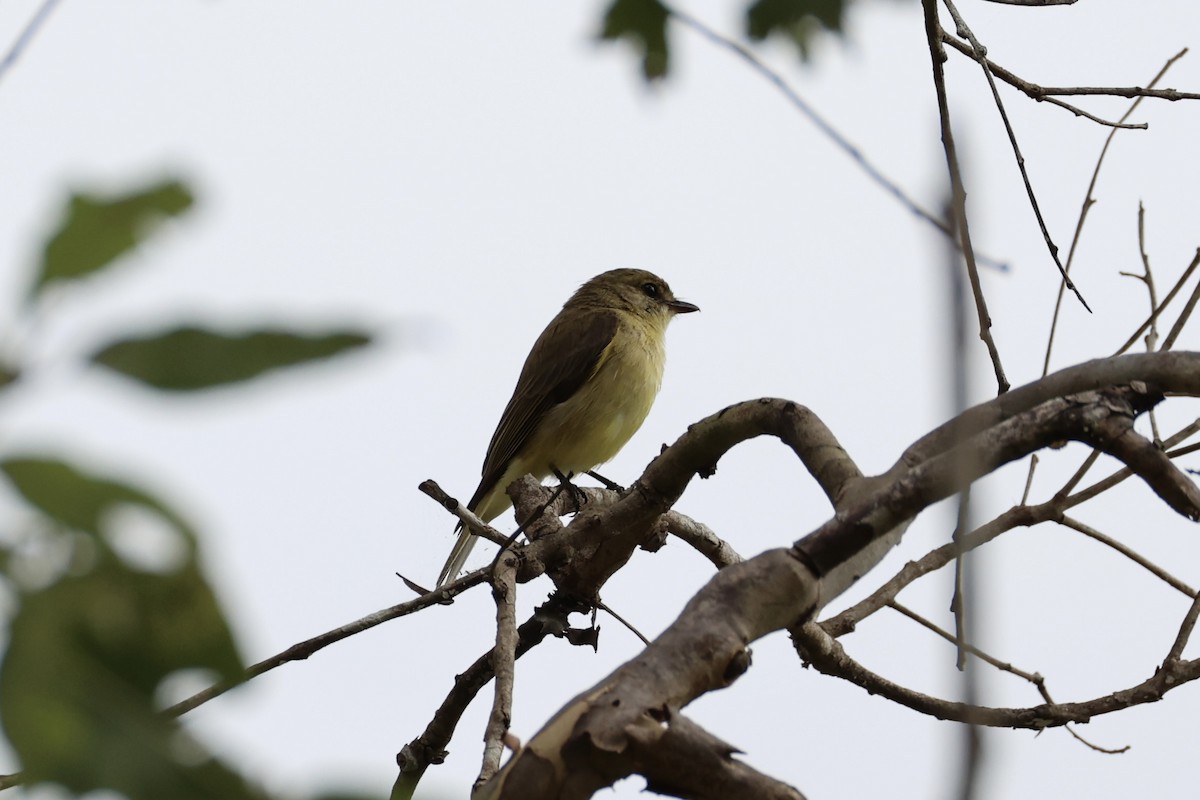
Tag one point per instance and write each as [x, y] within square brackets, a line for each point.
[447, 173]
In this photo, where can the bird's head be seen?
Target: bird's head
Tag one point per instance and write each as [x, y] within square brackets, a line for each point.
[635, 291]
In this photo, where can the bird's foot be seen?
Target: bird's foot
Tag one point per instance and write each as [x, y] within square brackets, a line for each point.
[565, 485]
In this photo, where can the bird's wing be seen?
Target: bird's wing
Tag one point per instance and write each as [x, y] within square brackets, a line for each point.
[562, 359]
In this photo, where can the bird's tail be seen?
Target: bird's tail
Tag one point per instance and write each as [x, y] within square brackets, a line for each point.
[458, 556]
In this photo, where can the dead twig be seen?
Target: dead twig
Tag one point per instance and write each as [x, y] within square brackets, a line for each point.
[938, 56]
[504, 590]
[981, 57]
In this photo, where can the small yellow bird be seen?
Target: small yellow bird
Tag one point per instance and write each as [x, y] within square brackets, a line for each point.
[586, 387]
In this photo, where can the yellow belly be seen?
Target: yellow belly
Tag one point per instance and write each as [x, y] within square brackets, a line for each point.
[591, 427]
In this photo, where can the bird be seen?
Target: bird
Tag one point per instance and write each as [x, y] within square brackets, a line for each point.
[586, 387]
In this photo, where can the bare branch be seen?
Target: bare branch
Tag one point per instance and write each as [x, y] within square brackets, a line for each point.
[827, 655]
[1129, 553]
[473, 523]
[959, 196]
[504, 590]
[1122, 91]
[980, 53]
[1184, 316]
[1003, 666]
[1187, 273]
[580, 561]
[1035, 678]
[1185, 632]
[703, 539]
[1088, 197]
[1032, 89]
[429, 748]
[784, 588]
[302, 650]
[1147, 279]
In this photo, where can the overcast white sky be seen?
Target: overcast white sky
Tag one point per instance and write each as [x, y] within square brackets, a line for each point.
[447, 173]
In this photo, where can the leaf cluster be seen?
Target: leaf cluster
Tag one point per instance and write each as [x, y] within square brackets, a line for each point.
[99, 627]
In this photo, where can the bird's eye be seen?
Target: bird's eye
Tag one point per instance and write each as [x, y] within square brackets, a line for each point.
[651, 289]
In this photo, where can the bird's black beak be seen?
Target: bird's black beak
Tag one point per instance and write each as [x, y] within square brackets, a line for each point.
[682, 306]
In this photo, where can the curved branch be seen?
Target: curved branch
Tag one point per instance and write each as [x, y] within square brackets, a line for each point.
[829, 657]
[582, 556]
[705, 648]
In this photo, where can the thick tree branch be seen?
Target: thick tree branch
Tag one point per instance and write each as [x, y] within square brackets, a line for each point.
[1175, 372]
[582, 556]
[705, 648]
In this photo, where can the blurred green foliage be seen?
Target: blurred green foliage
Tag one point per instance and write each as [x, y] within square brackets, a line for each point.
[189, 358]
[95, 633]
[96, 231]
[643, 23]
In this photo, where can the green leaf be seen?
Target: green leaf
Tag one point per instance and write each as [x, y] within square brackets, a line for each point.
[78, 500]
[185, 359]
[798, 20]
[88, 653]
[96, 230]
[78, 682]
[644, 24]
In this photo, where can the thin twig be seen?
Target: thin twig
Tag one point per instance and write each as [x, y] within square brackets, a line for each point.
[1088, 200]
[1135, 557]
[504, 590]
[1185, 633]
[1184, 316]
[1033, 460]
[938, 56]
[981, 57]
[1187, 273]
[823, 125]
[467, 517]
[1122, 91]
[1079, 475]
[1147, 279]
[302, 650]
[1033, 677]
[623, 621]
[1147, 276]
[1079, 112]
[1039, 93]
[1003, 666]
[26, 36]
